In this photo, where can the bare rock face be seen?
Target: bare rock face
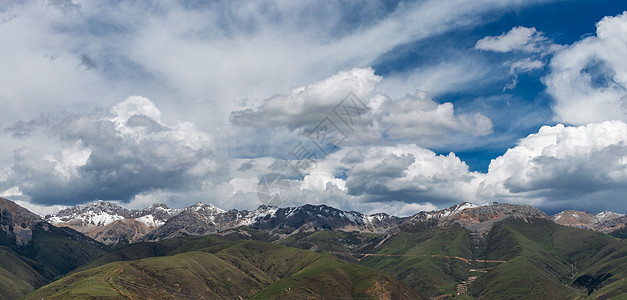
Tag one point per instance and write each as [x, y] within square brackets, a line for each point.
[322, 217]
[606, 221]
[194, 220]
[478, 219]
[16, 223]
[124, 231]
[201, 219]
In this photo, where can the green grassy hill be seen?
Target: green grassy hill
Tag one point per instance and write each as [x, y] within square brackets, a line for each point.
[421, 259]
[332, 241]
[168, 247]
[60, 250]
[534, 269]
[519, 259]
[541, 259]
[17, 275]
[552, 261]
[51, 253]
[239, 269]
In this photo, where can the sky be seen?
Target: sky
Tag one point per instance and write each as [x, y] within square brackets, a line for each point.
[372, 106]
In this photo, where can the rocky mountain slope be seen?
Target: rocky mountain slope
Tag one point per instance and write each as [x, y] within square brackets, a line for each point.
[477, 219]
[205, 219]
[16, 222]
[33, 252]
[111, 224]
[606, 221]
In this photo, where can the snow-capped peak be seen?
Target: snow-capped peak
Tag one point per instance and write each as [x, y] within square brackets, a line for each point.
[466, 205]
[150, 221]
[261, 212]
[607, 215]
[206, 208]
[455, 209]
[99, 213]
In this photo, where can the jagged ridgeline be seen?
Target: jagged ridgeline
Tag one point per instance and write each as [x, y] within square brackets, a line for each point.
[496, 251]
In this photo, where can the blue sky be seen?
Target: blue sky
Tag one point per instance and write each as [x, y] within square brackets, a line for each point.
[151, 101]
[565, 22]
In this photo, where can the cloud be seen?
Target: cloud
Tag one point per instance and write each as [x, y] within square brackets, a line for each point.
[130, 154]
[517, 39]
[563, 166]
[529, 45]
[220, 66]
[111, 155]
[200, 69]
[11, 192]
[559, 166]
[417, 117]
[87, 62]
[402, 173]
[309, 104]
[41, 210]
[457, 72]
[375, 118]
[588, 79]
[125, 154]
[525, 65]
[76, 55]
[65, 5]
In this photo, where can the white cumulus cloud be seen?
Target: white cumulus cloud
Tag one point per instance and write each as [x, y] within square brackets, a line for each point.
[517, 39]
[560, 166]
[111, 155]
[413, 118]
[588, 79]
[583, 167]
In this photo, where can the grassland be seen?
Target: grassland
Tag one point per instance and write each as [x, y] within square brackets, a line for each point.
[549, 261]
[528, 259]
[216, 269]
[51, 253]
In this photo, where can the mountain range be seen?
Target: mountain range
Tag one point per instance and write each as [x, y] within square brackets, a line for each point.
[110, 223]
[496, 251]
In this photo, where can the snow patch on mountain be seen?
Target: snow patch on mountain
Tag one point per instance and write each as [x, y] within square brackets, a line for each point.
[607, 215]
[150, 221]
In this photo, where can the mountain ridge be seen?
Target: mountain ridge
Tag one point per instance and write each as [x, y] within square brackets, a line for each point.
[110, 223]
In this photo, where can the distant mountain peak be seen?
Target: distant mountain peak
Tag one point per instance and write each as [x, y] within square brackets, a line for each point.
[93, 219]
[205, 208]
[158, 205]
[604, 221]
[478, 218]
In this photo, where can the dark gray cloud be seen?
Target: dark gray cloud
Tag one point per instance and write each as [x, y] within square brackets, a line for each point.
[108, 156]
[376, 179]
[245, 166]
[564, 178]
[22, 129]
[563, 167]
[88, 62]
[65, 5]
